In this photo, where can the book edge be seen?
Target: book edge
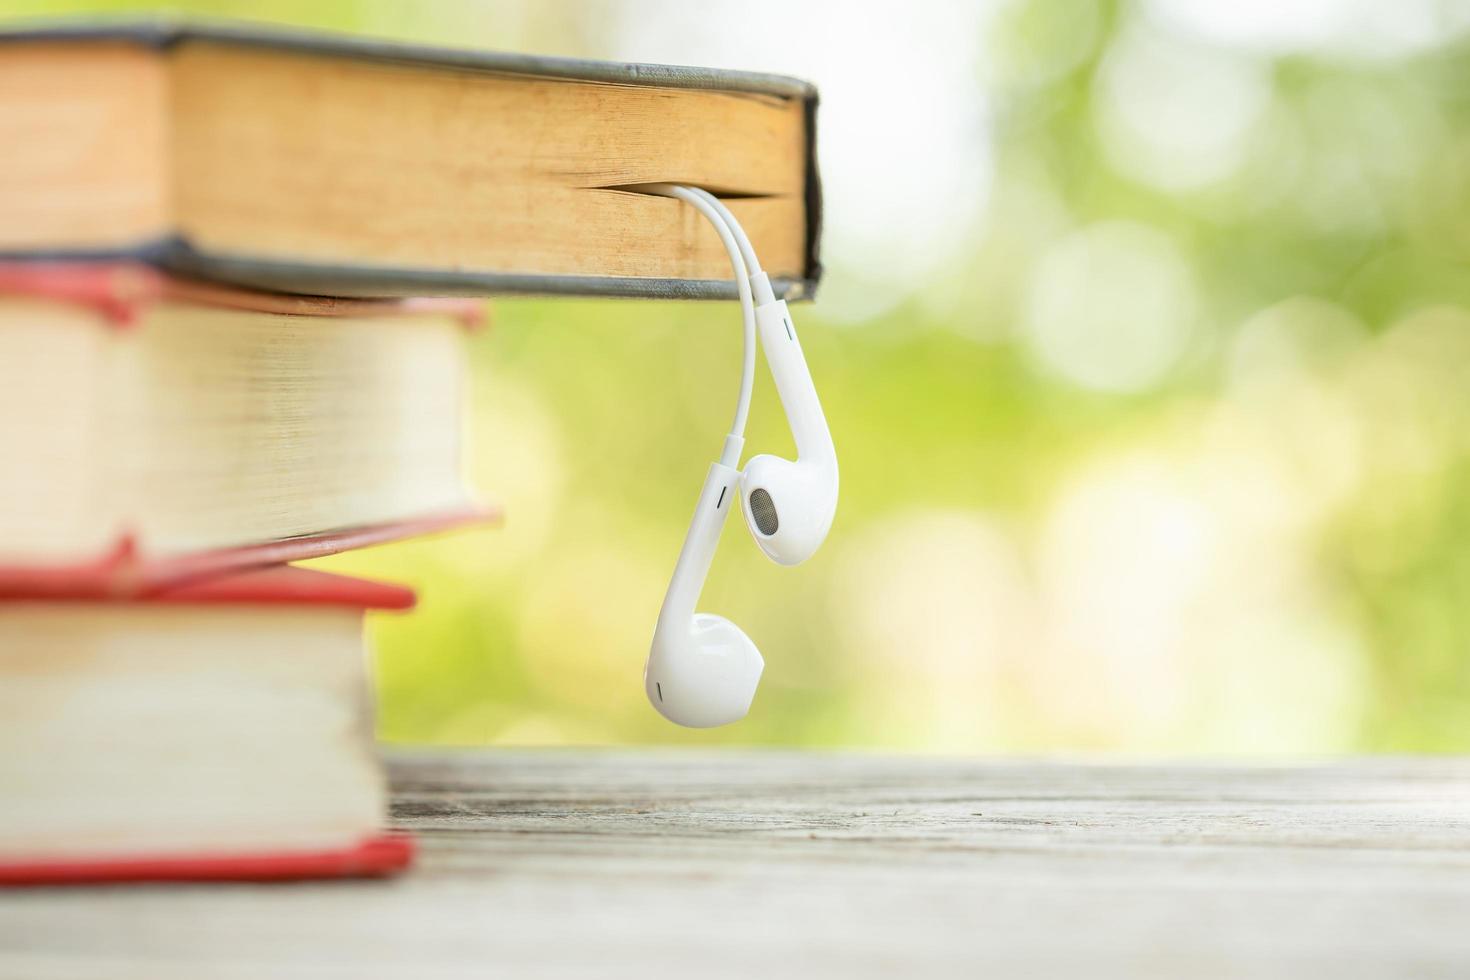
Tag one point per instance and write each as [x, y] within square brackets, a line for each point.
[119, 289]
[282, 585]
[165, 32]
[377, 856]
[176, 255]
[123, 573]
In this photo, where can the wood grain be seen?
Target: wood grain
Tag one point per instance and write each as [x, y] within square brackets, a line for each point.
[717, 864]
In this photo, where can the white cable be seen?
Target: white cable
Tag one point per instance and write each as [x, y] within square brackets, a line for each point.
[760, 283]
[747, 251]
[731, 235]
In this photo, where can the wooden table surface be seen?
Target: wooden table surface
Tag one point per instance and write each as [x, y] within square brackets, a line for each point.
[701, 864]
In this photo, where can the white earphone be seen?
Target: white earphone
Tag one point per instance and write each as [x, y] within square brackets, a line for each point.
[702, 669]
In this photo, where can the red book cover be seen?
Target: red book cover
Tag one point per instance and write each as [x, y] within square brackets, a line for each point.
[271, 585]
[119, 292]
[378, 855]
[125, 573]
[375, 857]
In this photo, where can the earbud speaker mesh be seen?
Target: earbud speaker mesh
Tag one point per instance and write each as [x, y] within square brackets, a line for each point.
[763, 510]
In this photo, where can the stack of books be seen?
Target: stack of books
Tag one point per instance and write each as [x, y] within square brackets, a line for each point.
[216, 359]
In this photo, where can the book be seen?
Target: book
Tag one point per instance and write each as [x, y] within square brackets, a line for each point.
[155, 428]
[221, 729]
[333, 165]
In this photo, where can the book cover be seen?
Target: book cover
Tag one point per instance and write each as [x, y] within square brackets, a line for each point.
[126, 573]
[374, 857]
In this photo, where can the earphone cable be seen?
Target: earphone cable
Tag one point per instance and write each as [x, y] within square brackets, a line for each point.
[736, 244]
[760, 283]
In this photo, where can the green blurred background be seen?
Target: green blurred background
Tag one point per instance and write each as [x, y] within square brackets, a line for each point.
[1146, 346]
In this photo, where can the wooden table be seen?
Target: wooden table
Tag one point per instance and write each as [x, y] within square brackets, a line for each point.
[704, 864]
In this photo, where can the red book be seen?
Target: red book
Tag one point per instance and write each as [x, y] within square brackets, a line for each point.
[155, 429]
[216, 730]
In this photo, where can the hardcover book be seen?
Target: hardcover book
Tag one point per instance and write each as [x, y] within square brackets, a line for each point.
[330, 165]
[221, 729]
[154, 429]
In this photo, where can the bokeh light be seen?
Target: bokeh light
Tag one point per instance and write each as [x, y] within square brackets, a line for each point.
[1144, 342]
[1111, 307]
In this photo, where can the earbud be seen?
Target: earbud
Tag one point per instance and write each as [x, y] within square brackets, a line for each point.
[702, 669]
[789, 505]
